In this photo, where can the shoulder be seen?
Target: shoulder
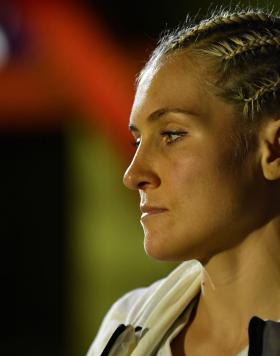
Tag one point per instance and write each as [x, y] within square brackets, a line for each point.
[121, 312]
[128, 305]
[131, 308]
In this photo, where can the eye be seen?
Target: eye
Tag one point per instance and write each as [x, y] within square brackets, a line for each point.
[172, 136]
[136, 142]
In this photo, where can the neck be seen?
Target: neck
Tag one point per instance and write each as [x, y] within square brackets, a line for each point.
[244, 281]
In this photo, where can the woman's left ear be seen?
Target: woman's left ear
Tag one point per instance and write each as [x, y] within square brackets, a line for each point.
[270, 149]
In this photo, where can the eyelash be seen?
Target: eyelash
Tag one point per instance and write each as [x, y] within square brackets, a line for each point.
[166, 134]
[136, 143]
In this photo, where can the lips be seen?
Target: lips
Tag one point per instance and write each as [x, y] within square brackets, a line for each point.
[151, 210]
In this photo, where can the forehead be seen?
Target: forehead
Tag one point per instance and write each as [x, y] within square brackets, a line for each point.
[177, 82]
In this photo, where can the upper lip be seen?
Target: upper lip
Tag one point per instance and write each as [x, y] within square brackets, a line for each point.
[151, 209]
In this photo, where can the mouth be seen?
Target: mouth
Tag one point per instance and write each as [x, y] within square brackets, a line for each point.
[151, 211]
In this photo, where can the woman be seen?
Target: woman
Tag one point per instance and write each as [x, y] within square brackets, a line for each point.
[206, 123]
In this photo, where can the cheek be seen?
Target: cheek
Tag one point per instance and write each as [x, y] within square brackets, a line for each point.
[191, 172]
[204, 183]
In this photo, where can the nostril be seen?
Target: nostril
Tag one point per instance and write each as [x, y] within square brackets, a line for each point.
[142, 185]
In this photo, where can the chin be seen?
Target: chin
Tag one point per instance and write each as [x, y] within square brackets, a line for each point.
[154, 248]
[160, 251]
[163, 249]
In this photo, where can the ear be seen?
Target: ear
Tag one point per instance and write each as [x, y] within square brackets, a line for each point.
[270, 149]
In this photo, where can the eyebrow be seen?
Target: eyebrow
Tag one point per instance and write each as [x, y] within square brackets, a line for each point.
[160, 113]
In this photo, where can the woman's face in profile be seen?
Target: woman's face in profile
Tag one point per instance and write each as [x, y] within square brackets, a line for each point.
[196, 199]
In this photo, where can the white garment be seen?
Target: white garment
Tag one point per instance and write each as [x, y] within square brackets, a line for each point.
[162, 310]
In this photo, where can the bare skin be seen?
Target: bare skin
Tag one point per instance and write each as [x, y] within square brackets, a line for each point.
[220, 325]
[202, 204]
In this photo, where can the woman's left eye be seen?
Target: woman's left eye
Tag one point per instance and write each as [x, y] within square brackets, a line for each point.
[173, 136]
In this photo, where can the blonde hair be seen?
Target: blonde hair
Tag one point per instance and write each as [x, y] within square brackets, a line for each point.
[244, 46]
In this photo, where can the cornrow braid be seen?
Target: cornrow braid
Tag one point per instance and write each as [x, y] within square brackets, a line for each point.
[248, 42]
[267, 86]
[240, 52]
[213, 24]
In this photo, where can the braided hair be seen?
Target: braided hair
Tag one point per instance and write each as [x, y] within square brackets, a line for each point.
[244, 47]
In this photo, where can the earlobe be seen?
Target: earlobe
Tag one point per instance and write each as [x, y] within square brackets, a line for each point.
[270, 149]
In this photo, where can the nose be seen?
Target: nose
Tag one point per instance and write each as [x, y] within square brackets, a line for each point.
[141, 173]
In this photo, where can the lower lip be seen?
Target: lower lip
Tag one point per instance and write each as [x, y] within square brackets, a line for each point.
[152, 213]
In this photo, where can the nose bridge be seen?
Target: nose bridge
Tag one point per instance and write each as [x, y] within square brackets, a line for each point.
[141, 170]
